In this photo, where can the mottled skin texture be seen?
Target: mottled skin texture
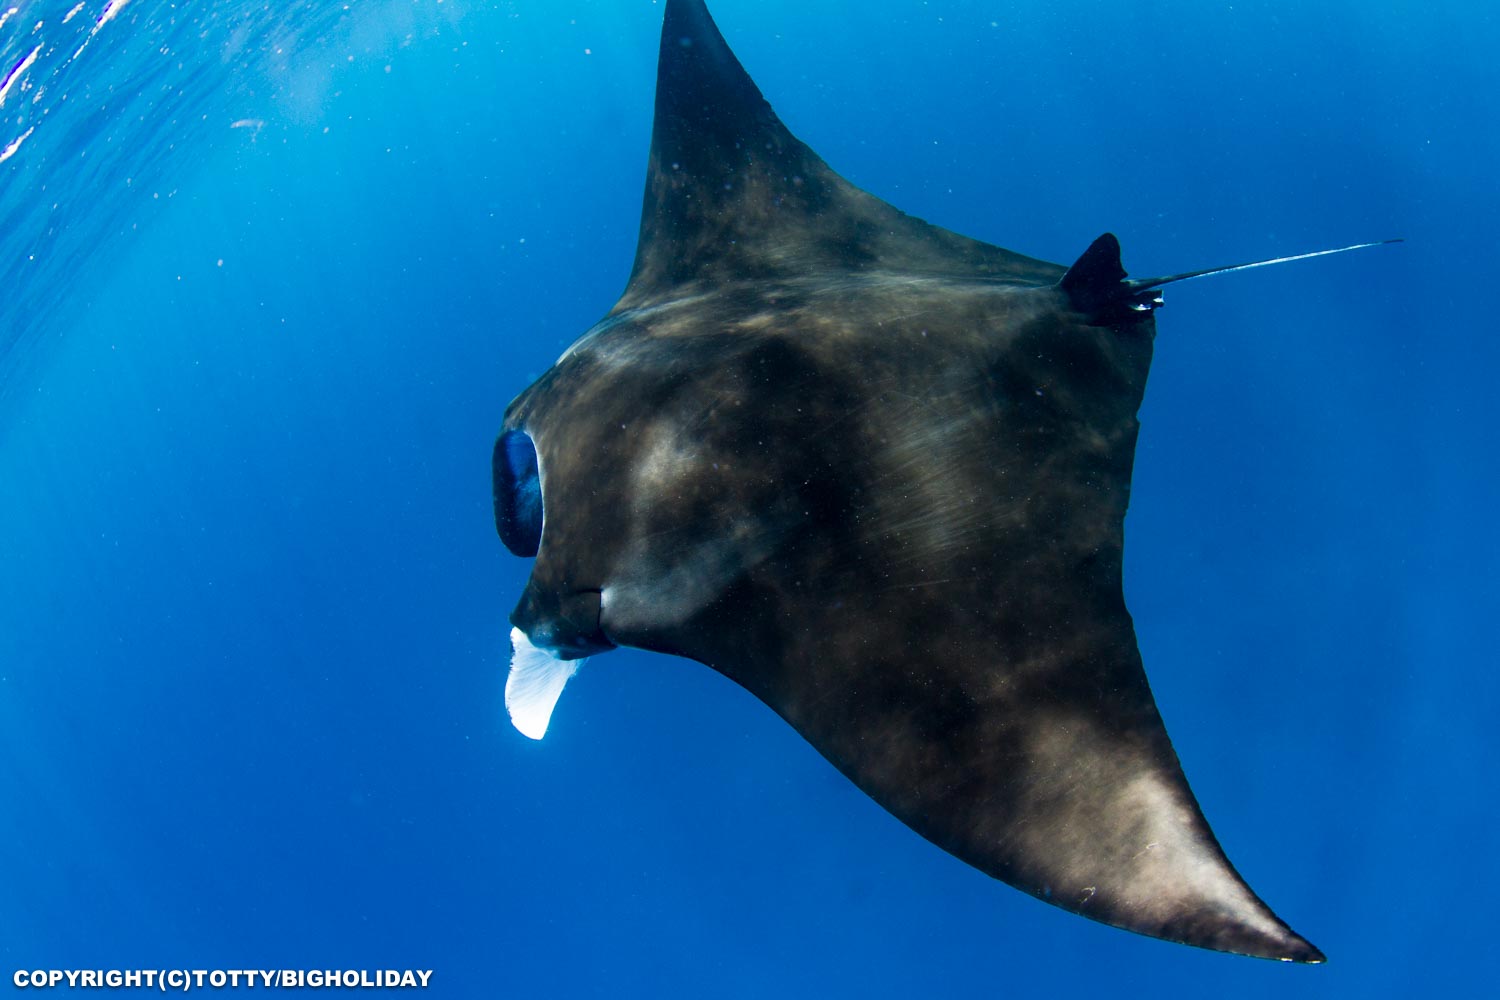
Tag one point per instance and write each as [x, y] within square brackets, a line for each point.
[877, 473]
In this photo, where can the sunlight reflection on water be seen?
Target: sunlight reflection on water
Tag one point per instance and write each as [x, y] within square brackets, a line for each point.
[106, 106]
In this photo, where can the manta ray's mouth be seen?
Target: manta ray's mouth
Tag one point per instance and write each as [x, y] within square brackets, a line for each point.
[567, 626]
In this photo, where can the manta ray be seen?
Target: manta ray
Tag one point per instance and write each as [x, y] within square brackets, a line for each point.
[876, 473]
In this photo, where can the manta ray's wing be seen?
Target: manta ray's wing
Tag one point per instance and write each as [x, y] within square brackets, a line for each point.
[732, 195]
[877, 474]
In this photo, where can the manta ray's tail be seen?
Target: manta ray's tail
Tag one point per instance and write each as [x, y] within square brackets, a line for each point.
[1144, 284]
[1097, 284]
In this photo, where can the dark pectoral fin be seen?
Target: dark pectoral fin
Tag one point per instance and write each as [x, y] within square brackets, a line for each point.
[1037, 758]
[733, 195]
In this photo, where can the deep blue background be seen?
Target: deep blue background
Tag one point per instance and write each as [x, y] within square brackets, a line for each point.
[252, 607]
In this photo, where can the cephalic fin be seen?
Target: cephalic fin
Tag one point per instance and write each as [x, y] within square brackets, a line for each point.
[536, 681]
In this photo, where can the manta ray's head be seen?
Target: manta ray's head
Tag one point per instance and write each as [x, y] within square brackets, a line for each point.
[556, 624]
[647, 473]
[555, 613]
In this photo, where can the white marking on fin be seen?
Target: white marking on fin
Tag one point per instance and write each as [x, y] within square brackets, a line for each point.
[535, 683]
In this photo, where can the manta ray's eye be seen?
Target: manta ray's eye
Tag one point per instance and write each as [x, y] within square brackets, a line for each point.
[518, 493]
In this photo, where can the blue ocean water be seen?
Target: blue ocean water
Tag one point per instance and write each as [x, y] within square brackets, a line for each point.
[268, 278]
